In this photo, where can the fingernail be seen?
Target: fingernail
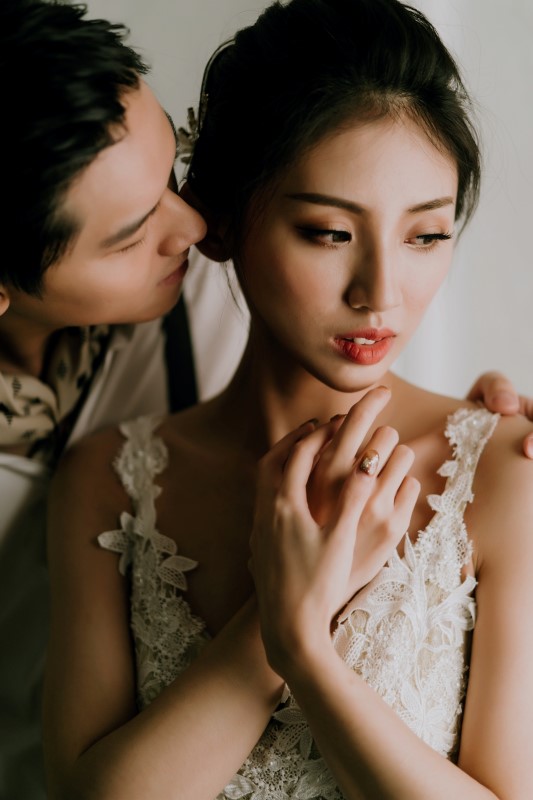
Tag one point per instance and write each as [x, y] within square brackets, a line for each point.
[313, 421]
[528, 446]
[505, 401]
[336, 416]
[370, 462]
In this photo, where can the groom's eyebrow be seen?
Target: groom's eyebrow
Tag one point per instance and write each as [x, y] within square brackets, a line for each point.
[127, 231]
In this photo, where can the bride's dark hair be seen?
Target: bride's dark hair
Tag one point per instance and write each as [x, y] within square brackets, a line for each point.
[306, 69]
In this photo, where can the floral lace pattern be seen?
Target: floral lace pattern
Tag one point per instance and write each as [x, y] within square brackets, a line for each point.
[166, 634]
[405, 633]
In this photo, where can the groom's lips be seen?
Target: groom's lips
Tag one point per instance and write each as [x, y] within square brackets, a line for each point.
[177, 275]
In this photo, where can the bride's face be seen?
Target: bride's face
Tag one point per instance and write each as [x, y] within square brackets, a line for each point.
[342, 262]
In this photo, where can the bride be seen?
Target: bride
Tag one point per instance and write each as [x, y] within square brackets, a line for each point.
[339, 656]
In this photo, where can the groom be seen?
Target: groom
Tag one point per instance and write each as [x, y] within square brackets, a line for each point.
[95, 249]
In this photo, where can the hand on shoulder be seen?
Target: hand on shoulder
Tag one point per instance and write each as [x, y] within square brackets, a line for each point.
[498, 394]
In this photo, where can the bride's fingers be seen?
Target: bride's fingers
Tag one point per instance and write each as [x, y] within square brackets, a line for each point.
[389, 492]
[405, 501]
[381, 507]
[301, 460]
[382, 442]
[394, 471]
[351, 502]
[285, 469]
[272, 464]
[337, 458]
[380, 521]
[394, 491]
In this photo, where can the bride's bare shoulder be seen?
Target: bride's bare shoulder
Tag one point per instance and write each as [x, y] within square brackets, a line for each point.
[202, 431]
[86, 476]
[502, 511]
[420, 412]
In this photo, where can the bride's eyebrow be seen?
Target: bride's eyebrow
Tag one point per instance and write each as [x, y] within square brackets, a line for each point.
[326, 200]
[354, 208]
[431, 205]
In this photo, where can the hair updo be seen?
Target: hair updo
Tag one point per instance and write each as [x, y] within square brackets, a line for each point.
[309, 67]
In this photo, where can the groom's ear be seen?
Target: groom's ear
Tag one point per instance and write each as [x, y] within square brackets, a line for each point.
[216, 245]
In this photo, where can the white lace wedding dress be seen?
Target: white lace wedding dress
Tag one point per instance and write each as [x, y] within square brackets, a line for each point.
[406, 633]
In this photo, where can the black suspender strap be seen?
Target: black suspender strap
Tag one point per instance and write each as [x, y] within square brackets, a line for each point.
[179, 359]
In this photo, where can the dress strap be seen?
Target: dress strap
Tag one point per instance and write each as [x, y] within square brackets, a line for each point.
[142, 456]
[445, 547]
[140, 459]
[468, 431]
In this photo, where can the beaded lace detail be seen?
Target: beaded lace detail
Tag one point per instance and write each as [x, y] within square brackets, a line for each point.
[405, 633]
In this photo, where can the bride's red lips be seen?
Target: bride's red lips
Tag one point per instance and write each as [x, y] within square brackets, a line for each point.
[372, 351]
[367, 333]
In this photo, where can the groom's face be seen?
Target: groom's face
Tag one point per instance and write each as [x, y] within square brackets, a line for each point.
[129, 257]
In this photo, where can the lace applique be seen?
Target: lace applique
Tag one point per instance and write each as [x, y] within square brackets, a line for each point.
[166, 634]
[405, 633]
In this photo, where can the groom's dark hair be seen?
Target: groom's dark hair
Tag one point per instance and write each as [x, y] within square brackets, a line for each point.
[64, 77]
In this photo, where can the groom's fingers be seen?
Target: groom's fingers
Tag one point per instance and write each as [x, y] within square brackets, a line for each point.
[496, 392]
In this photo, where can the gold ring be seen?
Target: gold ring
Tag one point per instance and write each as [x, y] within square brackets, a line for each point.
[370, 462]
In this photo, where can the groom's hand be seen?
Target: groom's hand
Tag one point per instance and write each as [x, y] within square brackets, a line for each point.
[498, 394]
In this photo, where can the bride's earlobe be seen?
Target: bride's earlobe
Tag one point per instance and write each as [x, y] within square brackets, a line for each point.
[215, 245]
[4, 300]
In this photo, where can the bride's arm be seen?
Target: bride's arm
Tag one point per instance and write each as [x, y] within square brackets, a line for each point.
[191, 740]
[370, 750]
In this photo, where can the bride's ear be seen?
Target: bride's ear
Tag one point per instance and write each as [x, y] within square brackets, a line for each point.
[4, 299]
[217, 242]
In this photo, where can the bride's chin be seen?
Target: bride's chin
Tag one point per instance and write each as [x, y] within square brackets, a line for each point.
[351, 385]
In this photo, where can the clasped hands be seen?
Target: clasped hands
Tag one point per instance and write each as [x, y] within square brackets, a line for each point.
[325, 524]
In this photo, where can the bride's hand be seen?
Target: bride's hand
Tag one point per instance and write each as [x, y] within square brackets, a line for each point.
[336, 457]
[305, 572]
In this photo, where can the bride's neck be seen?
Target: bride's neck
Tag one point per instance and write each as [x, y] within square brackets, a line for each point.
[267, 399]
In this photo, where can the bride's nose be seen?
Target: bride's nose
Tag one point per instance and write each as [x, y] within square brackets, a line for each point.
[375, 281]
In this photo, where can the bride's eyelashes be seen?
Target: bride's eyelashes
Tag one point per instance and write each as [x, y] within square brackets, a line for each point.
[326, 237]
[332, 237]
[427, 241]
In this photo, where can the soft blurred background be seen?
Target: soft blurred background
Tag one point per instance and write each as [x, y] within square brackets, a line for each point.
[483, 316]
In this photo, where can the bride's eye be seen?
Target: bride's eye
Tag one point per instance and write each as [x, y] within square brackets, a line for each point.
[327, 237]
[427, 241]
